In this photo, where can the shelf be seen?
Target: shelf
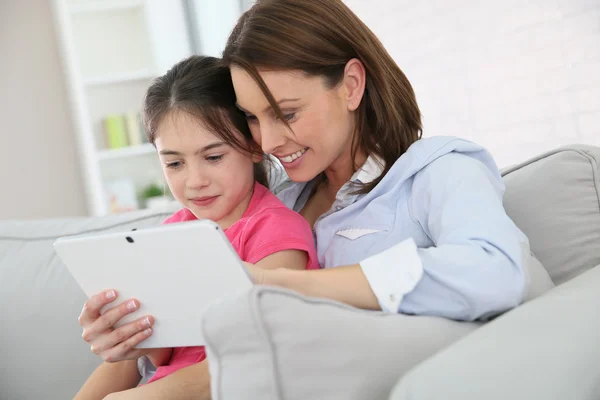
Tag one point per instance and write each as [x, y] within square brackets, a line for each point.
[93, 6]
[125, 152]
[119, 78]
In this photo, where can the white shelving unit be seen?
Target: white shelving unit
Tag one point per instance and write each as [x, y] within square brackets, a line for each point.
[93, 6]
[111, 50]
[141, 75]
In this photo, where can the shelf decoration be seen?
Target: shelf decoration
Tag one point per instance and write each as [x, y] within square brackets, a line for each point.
[121, 196]
[124, 130]
[116, 131]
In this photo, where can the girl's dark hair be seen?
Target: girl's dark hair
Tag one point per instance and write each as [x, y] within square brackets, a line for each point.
[201, 86]
[319, 37]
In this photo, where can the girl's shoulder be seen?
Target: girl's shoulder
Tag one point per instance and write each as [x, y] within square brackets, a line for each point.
[267, 214]
[270, 227]
[266, 204]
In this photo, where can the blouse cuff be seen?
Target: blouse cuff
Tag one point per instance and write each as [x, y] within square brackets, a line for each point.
[393, 273]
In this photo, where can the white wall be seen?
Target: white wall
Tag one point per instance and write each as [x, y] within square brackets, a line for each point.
[213, 21]
[517, 77]
[39, 172]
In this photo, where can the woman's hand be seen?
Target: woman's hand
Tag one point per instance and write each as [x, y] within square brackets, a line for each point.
[98, 329]
[258, 275]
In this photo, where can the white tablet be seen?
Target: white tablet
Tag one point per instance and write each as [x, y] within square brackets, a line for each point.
[176, 271]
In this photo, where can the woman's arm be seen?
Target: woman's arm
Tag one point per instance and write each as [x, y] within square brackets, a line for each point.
[346, 284]
[474, 270]
[109, 378]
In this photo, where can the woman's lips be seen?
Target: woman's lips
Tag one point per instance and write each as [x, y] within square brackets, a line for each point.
[295, 158]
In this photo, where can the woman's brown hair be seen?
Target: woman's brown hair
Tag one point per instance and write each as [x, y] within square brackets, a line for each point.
[201, 86]
[319, 37]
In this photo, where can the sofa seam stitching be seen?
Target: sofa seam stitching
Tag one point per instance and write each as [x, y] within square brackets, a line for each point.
[115, 225]
[596, 178]
[591, 160]
[213, 348]
[256, 297]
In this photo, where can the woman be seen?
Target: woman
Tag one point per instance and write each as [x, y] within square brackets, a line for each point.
[403, 224]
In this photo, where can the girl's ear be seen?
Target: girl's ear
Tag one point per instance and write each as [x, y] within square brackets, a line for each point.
[256, 158]
[257, 153]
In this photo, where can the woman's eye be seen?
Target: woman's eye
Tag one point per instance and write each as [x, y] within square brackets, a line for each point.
[214, 158]
[173, 164]
[288, 117]
[251, 119]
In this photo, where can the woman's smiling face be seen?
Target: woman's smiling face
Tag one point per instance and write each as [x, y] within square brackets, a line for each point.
[321, 120]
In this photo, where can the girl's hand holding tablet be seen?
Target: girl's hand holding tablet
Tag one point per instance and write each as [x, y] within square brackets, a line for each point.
[107, 342]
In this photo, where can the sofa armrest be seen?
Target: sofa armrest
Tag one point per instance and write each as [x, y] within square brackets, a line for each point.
[271, 343]
[546, 349]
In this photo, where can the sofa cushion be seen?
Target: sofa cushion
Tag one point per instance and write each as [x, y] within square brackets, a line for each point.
[275, 344]
[555, 200]
[546, 349]
[537, 279]
[42, 355]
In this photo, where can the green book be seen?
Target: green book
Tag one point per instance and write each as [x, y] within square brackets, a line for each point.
[116, 131]
[133, 129]
[142, 128]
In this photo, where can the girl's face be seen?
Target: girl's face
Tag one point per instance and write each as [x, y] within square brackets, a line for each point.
[209, 177]
[322, 119]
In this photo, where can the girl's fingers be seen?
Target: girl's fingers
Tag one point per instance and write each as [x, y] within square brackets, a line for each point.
[106, 322]
[121, 334]
[91, 308]
[126, 349]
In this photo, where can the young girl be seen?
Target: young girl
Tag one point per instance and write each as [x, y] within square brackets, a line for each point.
[215, 171]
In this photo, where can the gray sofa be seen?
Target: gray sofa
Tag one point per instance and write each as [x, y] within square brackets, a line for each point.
[275, 344]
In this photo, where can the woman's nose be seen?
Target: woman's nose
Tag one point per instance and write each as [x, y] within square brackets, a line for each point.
[272, 137]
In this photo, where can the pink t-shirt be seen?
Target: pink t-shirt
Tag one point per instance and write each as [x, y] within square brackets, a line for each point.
[266, 227]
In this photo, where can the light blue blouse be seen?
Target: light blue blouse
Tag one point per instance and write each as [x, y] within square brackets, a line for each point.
[432, 237]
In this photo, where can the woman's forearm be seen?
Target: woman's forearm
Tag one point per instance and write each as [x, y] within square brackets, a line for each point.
[346, 284]
[109, 378]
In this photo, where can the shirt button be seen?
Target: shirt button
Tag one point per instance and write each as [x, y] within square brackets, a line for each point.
[392, 298]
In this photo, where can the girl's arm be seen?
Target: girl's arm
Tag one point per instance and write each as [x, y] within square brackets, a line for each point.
[109, 378]
[160, 357]
[193, 382]
[189, 383]
[289, 259]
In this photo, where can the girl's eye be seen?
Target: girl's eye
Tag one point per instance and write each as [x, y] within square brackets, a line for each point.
[174, 164]
[214, 158]
[251, 119]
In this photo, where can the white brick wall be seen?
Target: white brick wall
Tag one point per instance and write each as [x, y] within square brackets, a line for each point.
[519, 77]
